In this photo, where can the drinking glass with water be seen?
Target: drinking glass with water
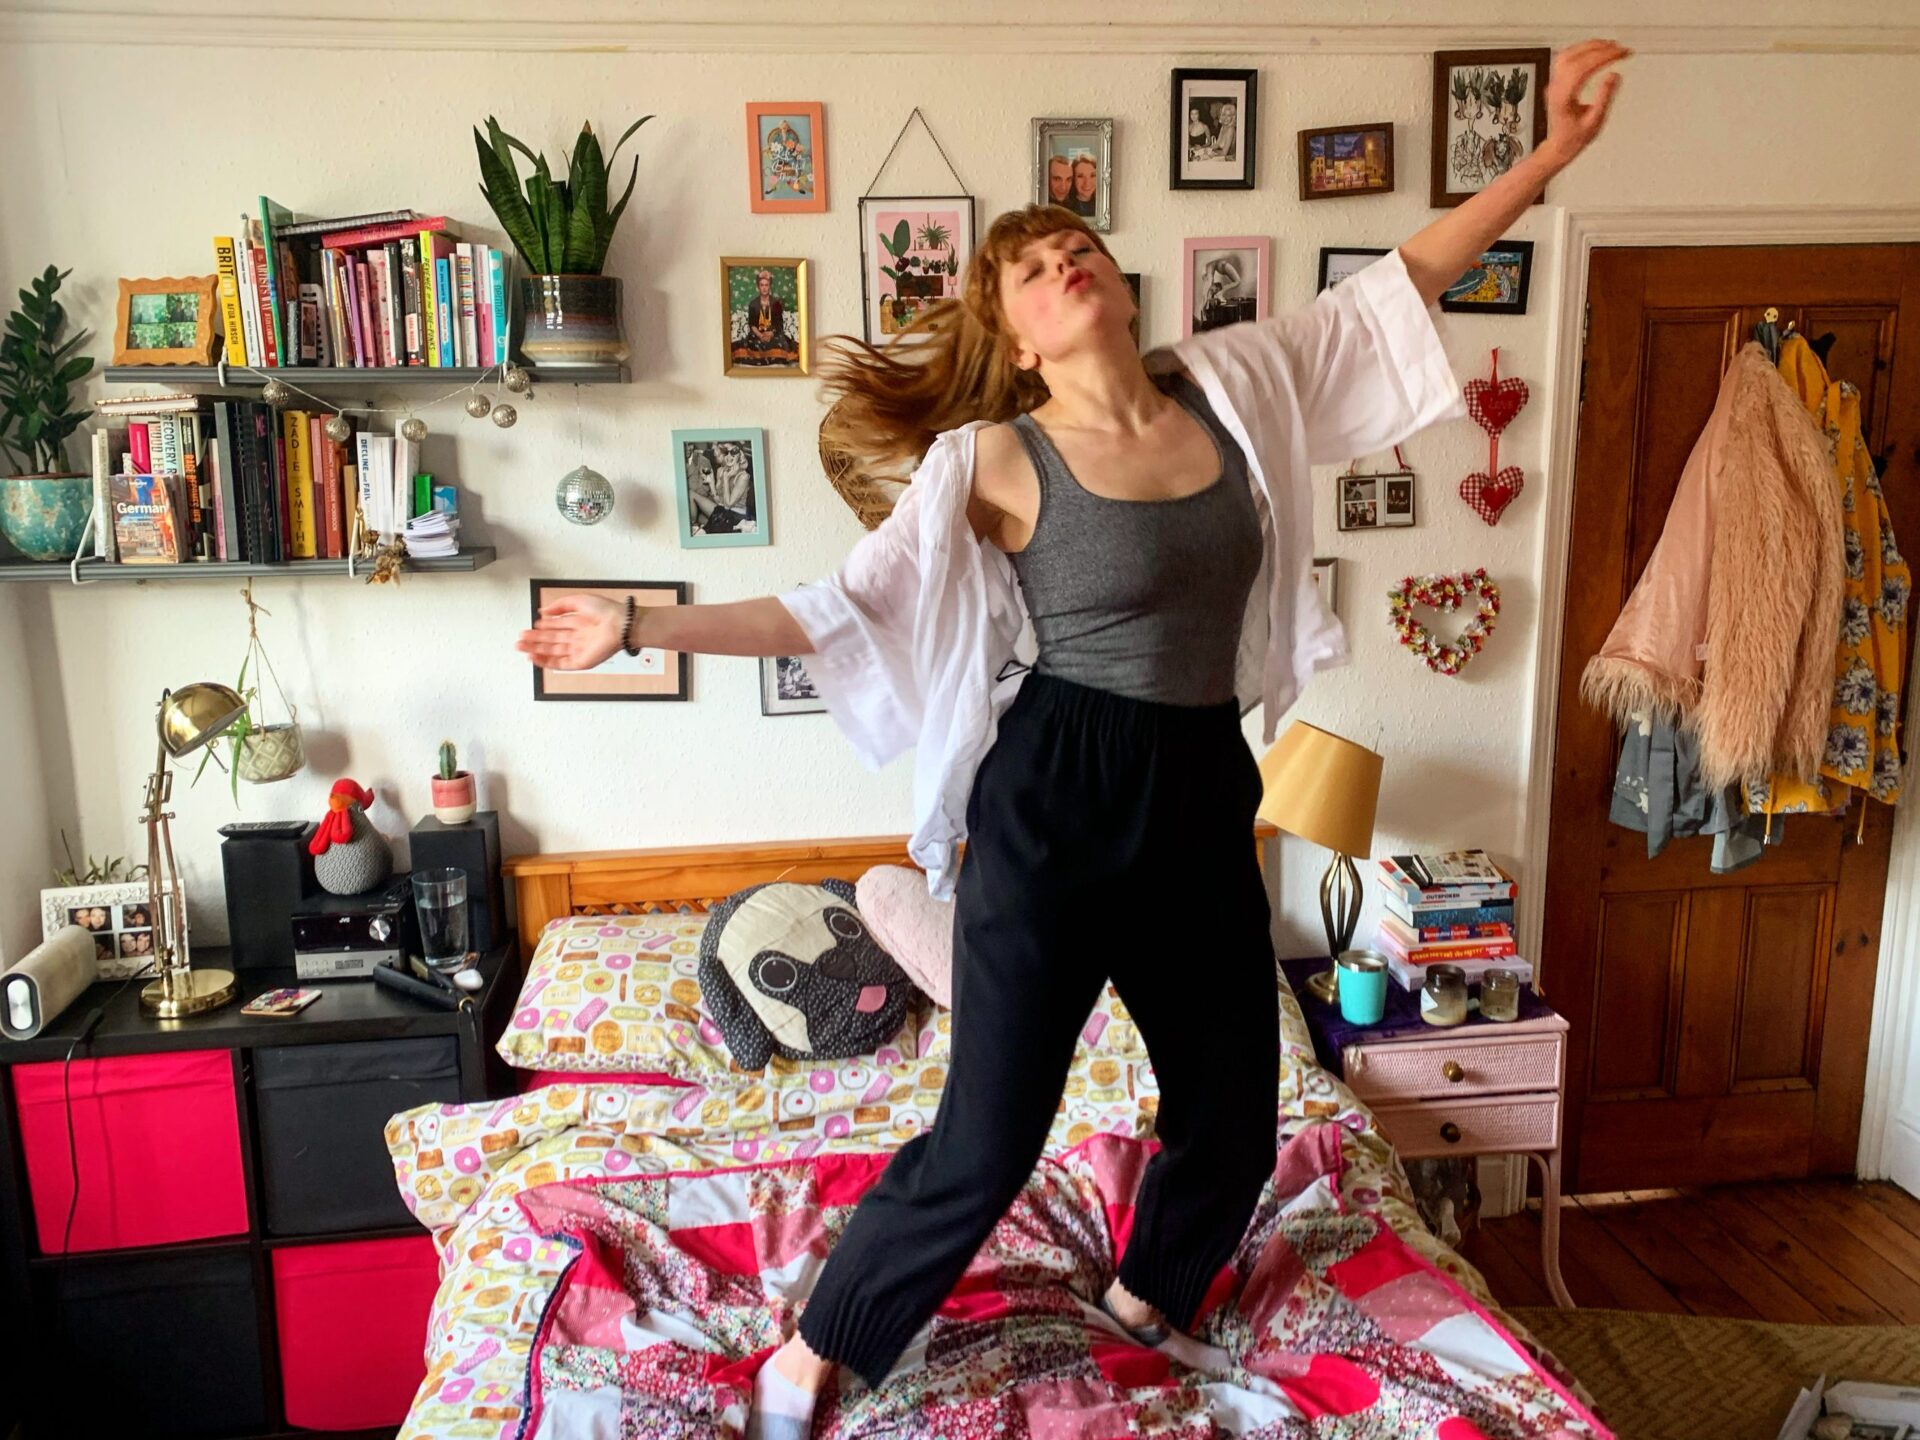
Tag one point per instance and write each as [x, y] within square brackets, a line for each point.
[440, 897]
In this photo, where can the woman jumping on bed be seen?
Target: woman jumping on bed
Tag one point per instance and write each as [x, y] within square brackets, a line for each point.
[1155, 522]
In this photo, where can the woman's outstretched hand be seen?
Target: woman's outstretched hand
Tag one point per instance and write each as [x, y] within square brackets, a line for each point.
[1572, 122]
[575, 632]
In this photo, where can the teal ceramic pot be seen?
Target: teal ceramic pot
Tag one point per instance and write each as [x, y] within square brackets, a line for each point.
[44, 516]
[571, 320]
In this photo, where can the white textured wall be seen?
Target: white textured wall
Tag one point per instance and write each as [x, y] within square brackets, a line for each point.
[102, 179]
[24, 854]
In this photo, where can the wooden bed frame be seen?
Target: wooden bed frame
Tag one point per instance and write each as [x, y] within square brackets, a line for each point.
[694, 878]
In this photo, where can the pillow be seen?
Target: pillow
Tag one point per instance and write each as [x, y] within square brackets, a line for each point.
[793, 970]
[608, 995]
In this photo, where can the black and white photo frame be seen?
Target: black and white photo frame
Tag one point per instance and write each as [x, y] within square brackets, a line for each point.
[786, 688]
[1214, 127]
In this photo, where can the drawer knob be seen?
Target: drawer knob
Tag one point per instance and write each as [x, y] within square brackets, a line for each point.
[1450, 1133]
[1453, 1072]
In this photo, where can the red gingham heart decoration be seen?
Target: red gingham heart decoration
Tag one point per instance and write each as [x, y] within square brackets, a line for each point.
[1490, 496]
[1494, 403]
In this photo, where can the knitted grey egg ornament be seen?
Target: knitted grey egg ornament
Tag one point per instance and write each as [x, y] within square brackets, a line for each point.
[792, 970]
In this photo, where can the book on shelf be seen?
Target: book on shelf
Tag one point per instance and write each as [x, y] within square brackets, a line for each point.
[1411, 975]
[1446, 914]
[323, 230]
[463, 286]
[226, 270]
[145, 519]
[1398, 939]
[277, 283]
[1460, 877]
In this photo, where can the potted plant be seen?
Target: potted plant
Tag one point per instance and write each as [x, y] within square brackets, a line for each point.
[44, 504]
[452, 789]
[570, 312]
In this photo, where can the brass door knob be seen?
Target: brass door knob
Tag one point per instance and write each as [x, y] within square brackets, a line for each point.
[1453, 1072]
[1450, 1133]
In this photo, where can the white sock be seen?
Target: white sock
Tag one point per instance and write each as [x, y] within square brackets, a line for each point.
[781, 1409]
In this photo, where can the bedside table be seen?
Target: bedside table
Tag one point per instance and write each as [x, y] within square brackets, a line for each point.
[1482, 1088]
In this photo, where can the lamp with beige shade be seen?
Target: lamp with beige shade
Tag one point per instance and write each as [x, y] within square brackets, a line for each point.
[1323, 787]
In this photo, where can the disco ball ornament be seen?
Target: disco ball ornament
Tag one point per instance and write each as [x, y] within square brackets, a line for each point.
[479, 406]
[584, 496]
[339, 429]
[517, 380]
[504, 415]
[275, 392]
[413, 428]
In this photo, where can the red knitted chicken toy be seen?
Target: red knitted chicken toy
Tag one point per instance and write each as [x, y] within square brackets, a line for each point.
[350, 856]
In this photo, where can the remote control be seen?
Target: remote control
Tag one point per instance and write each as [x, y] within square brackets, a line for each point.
[394, 979]
[292, 829]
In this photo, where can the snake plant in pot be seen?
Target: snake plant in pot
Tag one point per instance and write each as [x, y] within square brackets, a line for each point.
[44, 502]
[570, 312]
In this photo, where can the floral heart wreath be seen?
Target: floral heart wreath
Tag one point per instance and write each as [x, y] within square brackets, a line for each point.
[1444, 592]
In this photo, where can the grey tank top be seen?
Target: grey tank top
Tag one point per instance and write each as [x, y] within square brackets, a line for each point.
[1143, 598]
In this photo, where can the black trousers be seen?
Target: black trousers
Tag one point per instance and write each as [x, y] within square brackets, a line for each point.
[1092, 816]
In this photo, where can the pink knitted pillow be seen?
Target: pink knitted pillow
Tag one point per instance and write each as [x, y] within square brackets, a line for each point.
[911, 926]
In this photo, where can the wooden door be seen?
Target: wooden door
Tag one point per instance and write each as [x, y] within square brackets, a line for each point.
[1719, 1022]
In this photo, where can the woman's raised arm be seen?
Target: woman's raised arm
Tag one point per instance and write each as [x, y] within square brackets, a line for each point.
[578, 632]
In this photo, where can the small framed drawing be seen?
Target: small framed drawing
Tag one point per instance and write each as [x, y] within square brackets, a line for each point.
[1343, 262]
[165, 322]
[1214, 125]
[913, 251]
[1376, 502]
[786, 157]
[1346, 160]
[650, 675]
[722, 489]
[1496, 285]
[763, 306]
[118, 915]
[786, 688]
[1486, 115]
[1326, 579]
[1073, 168]
[1226, 281]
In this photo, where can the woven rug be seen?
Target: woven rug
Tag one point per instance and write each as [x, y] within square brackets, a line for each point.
[1689, 1377]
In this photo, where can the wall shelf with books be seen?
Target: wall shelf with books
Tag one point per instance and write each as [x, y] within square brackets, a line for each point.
[360, 378]
[92, 570]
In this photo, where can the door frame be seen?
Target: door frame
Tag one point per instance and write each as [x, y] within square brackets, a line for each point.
[1889, 1142]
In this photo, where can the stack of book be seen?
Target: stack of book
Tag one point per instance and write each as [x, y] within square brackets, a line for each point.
[360, 291]
[1452, 908]
[183, 478]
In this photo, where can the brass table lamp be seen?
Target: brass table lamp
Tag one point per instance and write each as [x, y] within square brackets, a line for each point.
[1323, 787]
[190, 717]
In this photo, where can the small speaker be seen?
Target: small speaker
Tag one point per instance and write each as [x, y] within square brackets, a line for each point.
[269, 876]
[472, 846]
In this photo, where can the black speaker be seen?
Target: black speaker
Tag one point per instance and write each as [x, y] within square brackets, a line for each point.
[472, 846]
[269, 876]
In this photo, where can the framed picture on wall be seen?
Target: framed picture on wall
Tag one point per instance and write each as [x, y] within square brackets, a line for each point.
[1384, 501]
[1346, 160]
[1214, 125]
[1343, 262]
[786, 157]
[1073, 168]
[1486, 115]
[721, 492]
[786, 688]
[767, 331]
[913, 251]
[116, 914]
[650, 675]
[1326, 579]
[1497, 284]
[1225, 281]
[166, 322]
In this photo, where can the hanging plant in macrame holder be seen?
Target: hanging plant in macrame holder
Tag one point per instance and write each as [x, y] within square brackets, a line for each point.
[264, 750]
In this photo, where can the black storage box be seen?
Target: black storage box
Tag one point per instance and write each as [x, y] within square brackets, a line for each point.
[472, 846]
[323, 1112]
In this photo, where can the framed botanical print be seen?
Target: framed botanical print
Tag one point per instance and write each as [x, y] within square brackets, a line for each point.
[166, 322]
[913, 251]
[786, 157]
[1342, 262]
[650, 675]
[1213, 129]
[1073, 168]
[1495, 284]
[1225, 281]
[1346, 160]
[1486, 115]
[786, 688]
[766, 328]
[721, 493]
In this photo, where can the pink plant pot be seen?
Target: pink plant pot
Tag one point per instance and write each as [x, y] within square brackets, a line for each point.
[453, 799]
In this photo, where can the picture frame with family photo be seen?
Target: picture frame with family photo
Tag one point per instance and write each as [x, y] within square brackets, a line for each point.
[1073, 168]
[1383, 501]
[1213, 129]
[118, 915]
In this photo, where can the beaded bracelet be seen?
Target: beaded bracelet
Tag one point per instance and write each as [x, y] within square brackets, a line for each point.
[626, 635]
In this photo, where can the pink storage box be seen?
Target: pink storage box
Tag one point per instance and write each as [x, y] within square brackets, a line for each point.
[158, 1138]
[353, 1329]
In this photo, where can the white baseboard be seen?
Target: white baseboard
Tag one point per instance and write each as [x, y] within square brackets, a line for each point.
[1900, 1153]
[1503, 1185]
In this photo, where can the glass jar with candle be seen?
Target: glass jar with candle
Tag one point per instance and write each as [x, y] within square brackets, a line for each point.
[1443, 999]
[1500, 995]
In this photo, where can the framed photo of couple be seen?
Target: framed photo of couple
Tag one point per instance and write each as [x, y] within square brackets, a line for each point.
[1073, 168]
[1214, 126]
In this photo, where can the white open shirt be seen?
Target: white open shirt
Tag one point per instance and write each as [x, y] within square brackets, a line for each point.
[909, 638]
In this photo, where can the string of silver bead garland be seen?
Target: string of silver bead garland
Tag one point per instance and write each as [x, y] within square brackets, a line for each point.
[339, 429]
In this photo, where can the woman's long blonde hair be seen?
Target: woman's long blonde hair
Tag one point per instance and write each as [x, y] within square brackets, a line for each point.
[888, 403]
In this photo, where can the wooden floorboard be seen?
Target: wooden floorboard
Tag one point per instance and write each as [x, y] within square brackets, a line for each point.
[1797, 1252]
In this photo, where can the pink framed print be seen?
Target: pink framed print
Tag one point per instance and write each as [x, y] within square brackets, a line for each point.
[1225, 281]
[786, 157]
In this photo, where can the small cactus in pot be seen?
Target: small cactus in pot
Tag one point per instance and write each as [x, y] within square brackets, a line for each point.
[452, 788]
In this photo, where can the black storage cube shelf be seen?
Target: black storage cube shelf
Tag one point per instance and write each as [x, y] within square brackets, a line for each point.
[159, 1345]
[323, 1111]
